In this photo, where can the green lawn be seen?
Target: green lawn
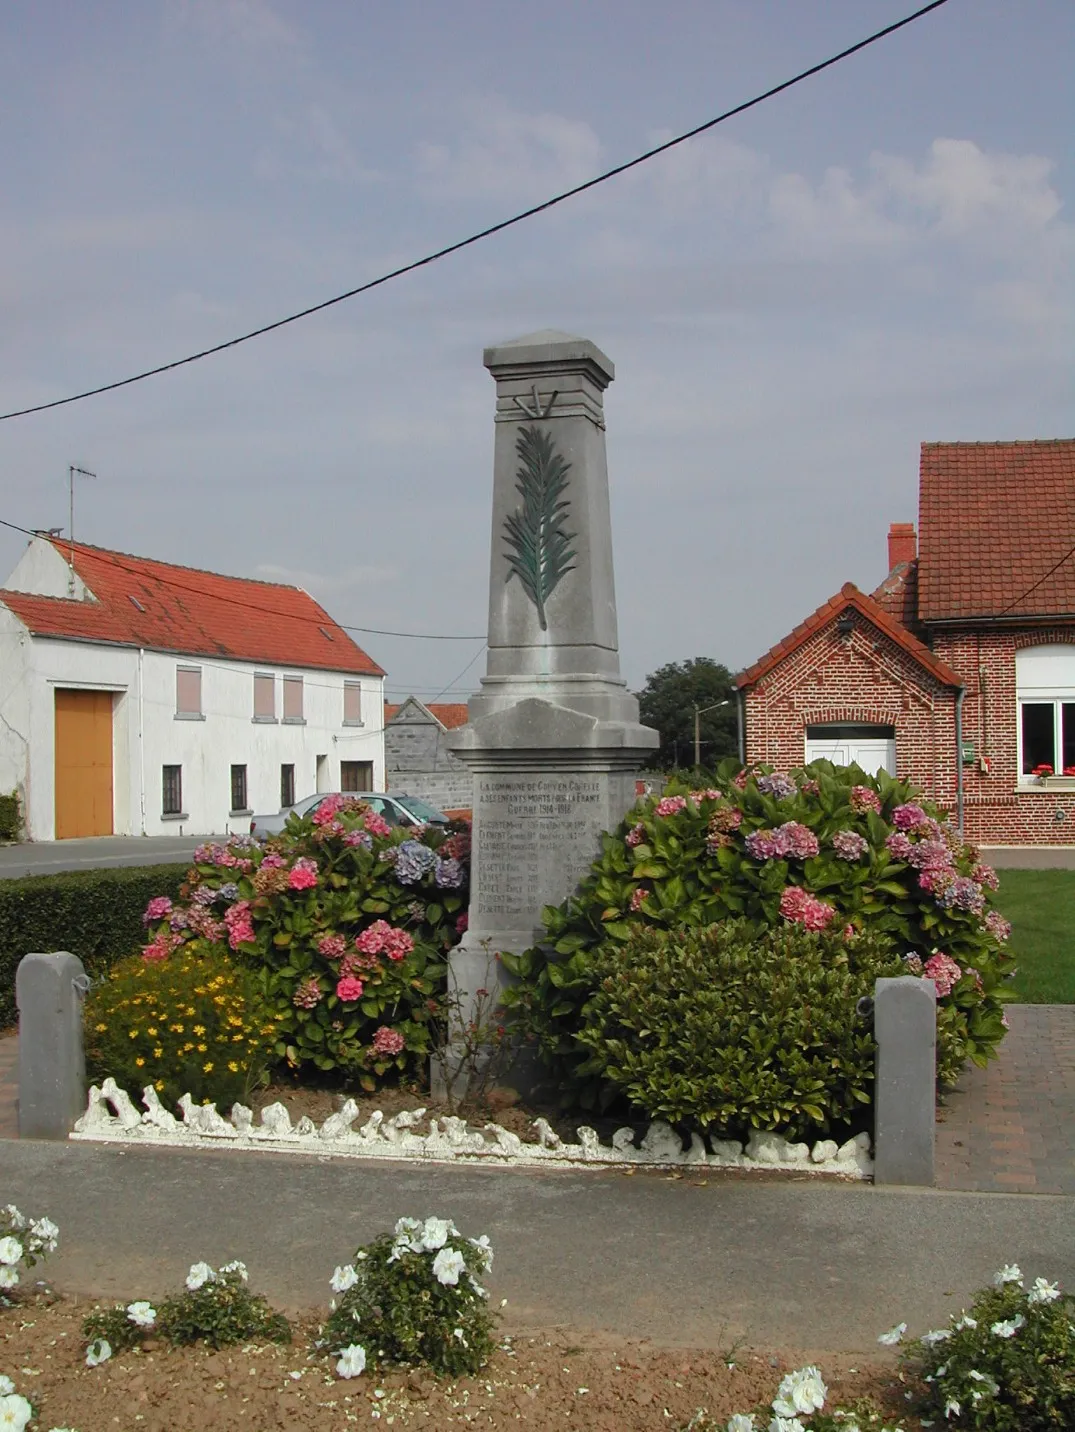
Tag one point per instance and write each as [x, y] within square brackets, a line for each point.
[1041, 906]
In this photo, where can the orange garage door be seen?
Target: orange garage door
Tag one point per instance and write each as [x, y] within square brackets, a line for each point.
[83, 763]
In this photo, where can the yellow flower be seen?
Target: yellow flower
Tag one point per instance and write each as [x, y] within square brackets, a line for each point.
[139, 1062]
[187, 1048]
[101, 1028]
[177, 1029]
[151, 1032]
[219, 999]
[199, 1029]
[207, 1068]
[159, 1085]
[233, 1066]
[203, 1048]
[134, 1034]
[158, 1052]
[191, 1010]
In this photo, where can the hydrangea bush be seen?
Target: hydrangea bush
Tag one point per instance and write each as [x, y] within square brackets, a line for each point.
[24, 1242]
[196, 1023]
[347, 923]
[1007, 1365]
[825, 848]
[412, 1297]
[215, 1307]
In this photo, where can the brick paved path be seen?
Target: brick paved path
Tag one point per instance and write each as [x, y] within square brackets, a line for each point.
[1006, 1129]
[1010, 1128]
[9, 1076]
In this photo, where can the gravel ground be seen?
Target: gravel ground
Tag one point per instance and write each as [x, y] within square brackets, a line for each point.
[537, 1380]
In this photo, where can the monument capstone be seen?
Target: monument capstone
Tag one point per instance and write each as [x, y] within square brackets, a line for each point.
[554, 740]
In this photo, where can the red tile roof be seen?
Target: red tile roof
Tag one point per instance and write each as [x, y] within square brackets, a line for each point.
[141, 602]
[849, 597]
[997, 525]
[450, 714]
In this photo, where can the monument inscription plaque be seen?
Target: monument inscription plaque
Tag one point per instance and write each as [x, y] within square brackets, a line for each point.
[531, 826]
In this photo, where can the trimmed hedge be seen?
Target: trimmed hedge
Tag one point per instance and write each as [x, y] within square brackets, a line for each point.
[94, 914]
[10, 816]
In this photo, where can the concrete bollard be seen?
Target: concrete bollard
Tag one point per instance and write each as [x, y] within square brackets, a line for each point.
[905, 1026]
[49, 990]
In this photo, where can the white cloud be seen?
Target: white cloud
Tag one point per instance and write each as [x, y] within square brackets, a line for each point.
[506, 154]
[961, 188]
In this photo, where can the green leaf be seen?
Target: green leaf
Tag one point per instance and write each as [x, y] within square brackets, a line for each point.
[538, 544]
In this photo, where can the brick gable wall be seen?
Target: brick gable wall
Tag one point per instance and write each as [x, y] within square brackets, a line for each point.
[867, 679]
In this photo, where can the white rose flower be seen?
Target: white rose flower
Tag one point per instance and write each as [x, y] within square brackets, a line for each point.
[458, 1333]
[800, 1391]
[483, 1245]
[741, 1422]
[142, 1314]
[435, 1233]
[9, 1277]
[100, 1350]
[786, 1424]
[343, 1278]
[352, 1361]
[965, 1321]
[1043, 1292]
[1009, 1327]
[10, 1251]
[235, 1266]
[935, 1336]
[448, 1265]
[44, 1235]
[952, 1408]
[893, 1336]
[7, 1387]
[1008, 1274]
[15, 1412]
[406, 1226]
[199, 1275]
[14, 1217]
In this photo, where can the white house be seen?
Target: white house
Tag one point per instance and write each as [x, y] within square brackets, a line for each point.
[142, 698]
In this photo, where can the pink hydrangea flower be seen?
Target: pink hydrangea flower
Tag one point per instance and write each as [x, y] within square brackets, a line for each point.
[638, 898]
[943, 971]
[272, 860]
[930, 855]
[986, 875]
[388, 1042]
[671, 805]
[636, 835]
[864, 799]
[239, 924]
[308, 995]
[849, 845]
[800, 906]
[157, 909]
[326, 812]
[333, 947]
[997, 926]
[710, 794]
[462, 923]
[909, 816]
[303, 874]
[900, 845]
[349, 989]
[381, 938]
[376, 824]
[161, 947]
[790, 839]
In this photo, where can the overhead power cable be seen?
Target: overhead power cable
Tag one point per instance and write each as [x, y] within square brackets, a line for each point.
[236, 602]
[492, 229]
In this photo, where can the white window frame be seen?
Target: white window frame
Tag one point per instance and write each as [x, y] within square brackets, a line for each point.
[1053, 666]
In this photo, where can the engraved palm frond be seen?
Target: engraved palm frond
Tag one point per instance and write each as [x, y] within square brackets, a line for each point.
[539, 549]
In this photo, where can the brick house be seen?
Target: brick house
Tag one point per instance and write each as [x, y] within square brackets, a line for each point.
[416, 755]
[959, 670]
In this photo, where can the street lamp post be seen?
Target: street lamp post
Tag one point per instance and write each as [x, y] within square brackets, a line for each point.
[699, 712]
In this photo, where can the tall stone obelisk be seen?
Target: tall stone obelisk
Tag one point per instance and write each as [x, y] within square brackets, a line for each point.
[554, 739]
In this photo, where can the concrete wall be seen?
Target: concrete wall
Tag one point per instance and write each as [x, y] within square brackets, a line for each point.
[147, 734]
[418, 761]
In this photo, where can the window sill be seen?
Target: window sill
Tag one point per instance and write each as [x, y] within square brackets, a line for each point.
[1053, 786]
[264, 720]
[294, 721]
[354, 723]
[189, 716]
[235, 814]
[174, 815]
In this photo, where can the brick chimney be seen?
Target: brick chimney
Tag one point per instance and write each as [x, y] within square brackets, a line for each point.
[902, 544]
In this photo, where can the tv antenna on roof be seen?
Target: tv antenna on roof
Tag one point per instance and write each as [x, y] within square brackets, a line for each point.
[72, 473]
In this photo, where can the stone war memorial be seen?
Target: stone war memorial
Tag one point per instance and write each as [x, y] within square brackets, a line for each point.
[553, 740]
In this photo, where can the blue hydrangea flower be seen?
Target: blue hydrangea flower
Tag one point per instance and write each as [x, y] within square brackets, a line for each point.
[448, 874]
[229, 891]
[413, 861]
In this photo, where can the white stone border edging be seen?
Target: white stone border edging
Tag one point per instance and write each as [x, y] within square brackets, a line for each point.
[111, 1117]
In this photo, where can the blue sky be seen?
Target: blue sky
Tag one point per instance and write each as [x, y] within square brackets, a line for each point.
[794, 302]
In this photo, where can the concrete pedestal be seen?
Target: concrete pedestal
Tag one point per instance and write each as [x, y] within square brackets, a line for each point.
[49, 989]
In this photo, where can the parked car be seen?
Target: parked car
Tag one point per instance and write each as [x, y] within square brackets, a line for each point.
[397, 809]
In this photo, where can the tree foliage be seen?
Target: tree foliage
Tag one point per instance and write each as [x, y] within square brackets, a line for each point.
[667, 702]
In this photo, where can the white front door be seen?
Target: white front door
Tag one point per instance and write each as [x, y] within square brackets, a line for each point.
[872, 753]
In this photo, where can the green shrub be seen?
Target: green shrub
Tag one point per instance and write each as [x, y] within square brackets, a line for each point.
[194, 1024]
[216, 1308]
[347, 924]
[726, 1029]
[10, 816]
[826, 847]
[94, 914]
[24, 1242]
[1006, 1366]
[413, 1297]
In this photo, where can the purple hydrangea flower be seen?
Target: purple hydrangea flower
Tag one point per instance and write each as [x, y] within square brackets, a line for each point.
[448, 874]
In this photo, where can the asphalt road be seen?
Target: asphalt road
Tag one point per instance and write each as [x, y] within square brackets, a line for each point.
[47, 856]
[805, 1264]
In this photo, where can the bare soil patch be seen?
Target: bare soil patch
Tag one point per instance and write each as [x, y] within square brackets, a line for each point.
[537, 1379]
